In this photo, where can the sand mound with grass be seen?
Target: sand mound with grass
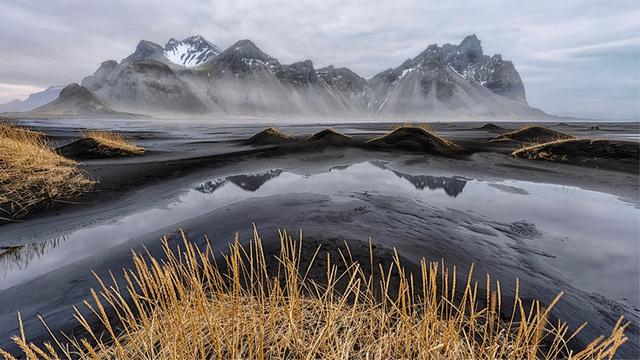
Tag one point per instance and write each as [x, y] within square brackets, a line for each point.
[489, 127]
[190, 305]
[608, 154]
[331, 137]
[533, 134]
[415, 139]
[32, 174]
[269, 136]
[100, 144]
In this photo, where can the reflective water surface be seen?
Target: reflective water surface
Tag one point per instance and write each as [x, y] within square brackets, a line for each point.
[591, 238]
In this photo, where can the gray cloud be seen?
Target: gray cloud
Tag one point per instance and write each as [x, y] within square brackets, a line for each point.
[576, 57]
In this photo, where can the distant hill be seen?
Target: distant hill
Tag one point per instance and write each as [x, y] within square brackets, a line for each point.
[76, 100]
[33, 101]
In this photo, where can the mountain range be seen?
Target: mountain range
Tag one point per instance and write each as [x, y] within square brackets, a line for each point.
[193, 76]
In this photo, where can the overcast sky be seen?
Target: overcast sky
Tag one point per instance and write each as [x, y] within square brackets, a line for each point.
[576, 57]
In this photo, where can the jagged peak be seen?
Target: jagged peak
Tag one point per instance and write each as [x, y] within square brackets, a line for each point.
[194, 39]
[246, 49]
[243, 45]
[145, 44]
[303, 64]
[471, 44]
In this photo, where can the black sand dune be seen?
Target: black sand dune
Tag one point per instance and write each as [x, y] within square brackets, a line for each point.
[331, 137]
[606, 154]
[415, 139]
[88, 148]
[533, 134]
[269, 136]
[490, 127]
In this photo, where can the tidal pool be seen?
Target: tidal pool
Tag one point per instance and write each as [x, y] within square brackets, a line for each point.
[590, 238]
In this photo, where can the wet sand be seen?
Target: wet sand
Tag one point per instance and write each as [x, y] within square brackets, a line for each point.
[181, 156]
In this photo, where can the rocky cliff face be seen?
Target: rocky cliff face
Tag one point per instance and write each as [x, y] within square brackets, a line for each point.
[145, 85]
[493, 72]
[452, 80]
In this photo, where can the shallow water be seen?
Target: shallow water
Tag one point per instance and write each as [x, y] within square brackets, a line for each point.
[591, 238]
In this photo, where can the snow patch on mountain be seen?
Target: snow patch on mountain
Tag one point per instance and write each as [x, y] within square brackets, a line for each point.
[190, 52]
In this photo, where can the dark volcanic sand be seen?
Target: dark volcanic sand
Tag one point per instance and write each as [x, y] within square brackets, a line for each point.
[182, 156]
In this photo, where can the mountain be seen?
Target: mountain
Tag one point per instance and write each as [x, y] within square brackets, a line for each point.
[451, 81]
[190, 52]
[33, 101]
[193, 76]
[75, 100]
[495, 74]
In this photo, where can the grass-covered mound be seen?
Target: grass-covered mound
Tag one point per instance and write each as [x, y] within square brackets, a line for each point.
[533, 134]
[269, 136]
[331, 137]
[32, 174]
[601, 153]
[100, 144]
[189, 306]
[416, 139]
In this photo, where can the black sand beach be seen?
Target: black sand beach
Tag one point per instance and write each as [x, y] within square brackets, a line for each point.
[204, 178]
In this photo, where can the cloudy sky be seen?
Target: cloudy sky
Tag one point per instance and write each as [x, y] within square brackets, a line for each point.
[576, 57]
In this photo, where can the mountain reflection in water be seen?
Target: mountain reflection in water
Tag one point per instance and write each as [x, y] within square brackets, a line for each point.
[452, 186]
[250, 182]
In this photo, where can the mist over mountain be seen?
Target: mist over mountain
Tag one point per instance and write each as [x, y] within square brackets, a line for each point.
[193, 76]
[76, 101]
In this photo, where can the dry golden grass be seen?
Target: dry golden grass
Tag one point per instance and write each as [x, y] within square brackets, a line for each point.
[31, 173]
[188, 306]
[532, 150]
[110, 142]
[275, 132]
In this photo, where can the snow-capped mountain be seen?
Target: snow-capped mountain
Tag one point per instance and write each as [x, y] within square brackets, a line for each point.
[448, 81]
[190, 52]
[33, 101]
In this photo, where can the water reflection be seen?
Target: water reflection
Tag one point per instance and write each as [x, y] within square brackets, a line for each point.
[250, 182]
[570, 218]
[19, 257]
[452, 186]
[253, 182]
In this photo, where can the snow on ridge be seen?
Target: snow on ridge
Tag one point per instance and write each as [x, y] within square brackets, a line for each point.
[190, 52]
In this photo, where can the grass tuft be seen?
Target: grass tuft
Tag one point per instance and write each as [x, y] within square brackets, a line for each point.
[188, 305]
[109, 142]
[32, 174]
